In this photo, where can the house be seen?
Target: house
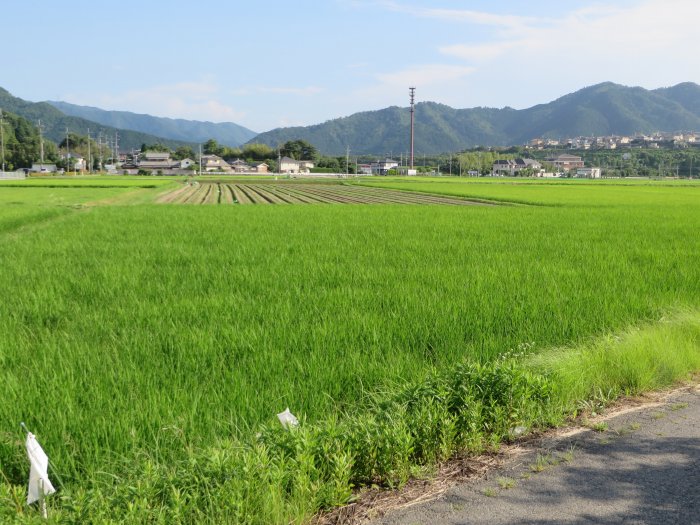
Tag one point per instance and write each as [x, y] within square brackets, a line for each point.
[214, 163]
[514, 167]
[588, 173]
[364, 169]
[153, 161]
[289, 165]
[38, 167]
[382, 167]
[74, 162]
[240, 166]
[566, 162]
[260, 167]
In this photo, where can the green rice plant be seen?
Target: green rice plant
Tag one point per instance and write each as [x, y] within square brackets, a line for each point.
[147, 345]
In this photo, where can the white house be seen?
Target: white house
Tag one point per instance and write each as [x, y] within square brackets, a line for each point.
[289, 165]
[588, 173]
[382, 167]
[512, 167]
[214, 163]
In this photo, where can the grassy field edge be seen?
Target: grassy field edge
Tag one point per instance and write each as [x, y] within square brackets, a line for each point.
[287, 476]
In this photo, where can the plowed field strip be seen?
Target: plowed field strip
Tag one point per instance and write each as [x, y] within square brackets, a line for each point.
[253, 196]
[226, 194]
[408, 197]
[284, 196]
[273, 193]
[304, 196]
[267, 194]
[330, 196]
[172, 196]
[381, 197]
[239, 195]
[198, 196]
[358, 197]
[256, 196]
[212, 196]
[185, 196]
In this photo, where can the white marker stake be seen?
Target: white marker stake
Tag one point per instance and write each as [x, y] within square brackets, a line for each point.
[39, 483]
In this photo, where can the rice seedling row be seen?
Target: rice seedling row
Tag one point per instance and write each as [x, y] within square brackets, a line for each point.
[307, 193]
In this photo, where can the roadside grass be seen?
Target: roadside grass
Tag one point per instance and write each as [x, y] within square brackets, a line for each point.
[639, 359]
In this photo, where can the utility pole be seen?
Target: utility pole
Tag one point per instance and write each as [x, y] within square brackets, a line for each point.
[412, 92]
[2, 142]
[116, 148]
[89, 154]
[67, 150]
[99, 148]
[200, 159]
[41, 141]
[347, 162]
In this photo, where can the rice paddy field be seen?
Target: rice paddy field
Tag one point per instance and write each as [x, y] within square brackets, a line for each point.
[149, 342]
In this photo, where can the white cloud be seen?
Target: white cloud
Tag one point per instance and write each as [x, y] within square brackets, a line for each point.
[647, 43]
[423, 75]
[304, 91]
[188, 100]
[431, 81]
[478, 52]
[460, 15]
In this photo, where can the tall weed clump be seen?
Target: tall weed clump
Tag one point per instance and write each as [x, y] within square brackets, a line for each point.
[285, 476]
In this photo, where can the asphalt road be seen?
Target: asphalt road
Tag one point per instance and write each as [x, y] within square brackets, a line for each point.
[643, 468]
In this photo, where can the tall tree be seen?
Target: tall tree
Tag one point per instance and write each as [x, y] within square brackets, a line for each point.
[299, 150]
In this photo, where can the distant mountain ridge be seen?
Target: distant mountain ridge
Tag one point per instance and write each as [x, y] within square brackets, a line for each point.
[602, 109]
[54, 124]
[226, 133]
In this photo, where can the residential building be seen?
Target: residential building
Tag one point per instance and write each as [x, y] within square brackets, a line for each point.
[514, 167]
[240, 166]
[364, 169]
[382, 167]
[38, 167]
[588, 173]
[260, 167]
[566, 162]
[152, 161]
[289, 165]
[214, 163]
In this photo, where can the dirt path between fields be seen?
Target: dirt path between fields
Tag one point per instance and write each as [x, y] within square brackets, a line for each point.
[640, 463]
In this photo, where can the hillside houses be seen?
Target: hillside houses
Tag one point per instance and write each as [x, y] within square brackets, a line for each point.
[639, 140]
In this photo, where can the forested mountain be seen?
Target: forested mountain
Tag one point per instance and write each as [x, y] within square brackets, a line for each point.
[226, 133]
[55, 124]
[21, 143]
[603, 109]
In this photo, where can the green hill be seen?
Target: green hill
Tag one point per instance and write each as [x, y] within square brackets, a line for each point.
[603, 109]
[226, 133]
[55, 124]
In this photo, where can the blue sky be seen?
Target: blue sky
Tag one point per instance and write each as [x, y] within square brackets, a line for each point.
[282, 63]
